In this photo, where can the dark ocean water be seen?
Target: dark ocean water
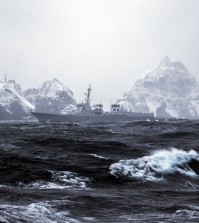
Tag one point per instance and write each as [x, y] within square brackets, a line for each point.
[112, 172]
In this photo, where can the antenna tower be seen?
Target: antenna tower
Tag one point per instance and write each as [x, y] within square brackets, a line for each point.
[88, 94]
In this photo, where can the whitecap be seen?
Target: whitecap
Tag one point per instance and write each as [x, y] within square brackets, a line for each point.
[45, 212]
[88, 219]
[60, 180]
[188, 214]
[154, 167]
[99, 157]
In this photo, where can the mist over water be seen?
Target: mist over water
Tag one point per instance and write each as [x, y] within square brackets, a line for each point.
[107, 172]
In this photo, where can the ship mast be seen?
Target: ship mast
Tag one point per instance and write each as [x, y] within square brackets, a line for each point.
[88, 95]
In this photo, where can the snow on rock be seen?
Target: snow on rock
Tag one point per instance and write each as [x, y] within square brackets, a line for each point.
[167, 91]
[12, 103]
[53, 88]
[51, 97]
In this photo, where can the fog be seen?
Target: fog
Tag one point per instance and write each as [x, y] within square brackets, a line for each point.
[108, 43]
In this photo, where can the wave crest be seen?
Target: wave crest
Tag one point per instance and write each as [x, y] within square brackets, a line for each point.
[154, 167]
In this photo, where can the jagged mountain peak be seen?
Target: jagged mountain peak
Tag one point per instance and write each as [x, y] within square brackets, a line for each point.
[15, 93]
[165, 61]
[169, 72]
[11, 85]
[52, 96]
[52, 88]
[13, 105]
[167, 65]
[168, 91]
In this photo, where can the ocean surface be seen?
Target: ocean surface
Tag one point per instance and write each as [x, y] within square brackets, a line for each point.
[106, 172]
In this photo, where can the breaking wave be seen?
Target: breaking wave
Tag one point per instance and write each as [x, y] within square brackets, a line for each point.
[156, 166]
[46, 212]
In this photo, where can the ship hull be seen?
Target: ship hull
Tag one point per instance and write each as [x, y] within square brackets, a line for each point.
[48, 117]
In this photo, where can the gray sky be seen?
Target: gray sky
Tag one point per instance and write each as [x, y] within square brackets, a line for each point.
[108, 43]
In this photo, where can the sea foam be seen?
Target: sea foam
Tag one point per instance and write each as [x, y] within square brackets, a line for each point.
[45, 212]
[156, 166]
[60, 180]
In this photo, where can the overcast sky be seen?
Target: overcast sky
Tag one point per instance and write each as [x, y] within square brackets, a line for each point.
[108, 43]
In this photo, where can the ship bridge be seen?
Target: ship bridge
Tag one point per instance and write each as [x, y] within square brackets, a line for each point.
[98, 109]
[116, 109]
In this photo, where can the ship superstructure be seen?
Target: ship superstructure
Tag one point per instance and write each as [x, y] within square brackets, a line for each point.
[95, 113]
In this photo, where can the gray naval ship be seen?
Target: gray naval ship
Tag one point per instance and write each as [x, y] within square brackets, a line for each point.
[87, 113]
